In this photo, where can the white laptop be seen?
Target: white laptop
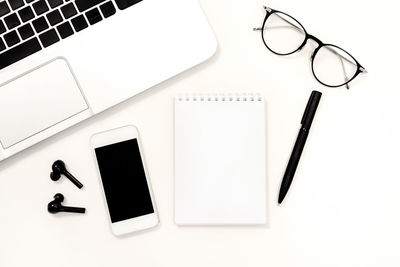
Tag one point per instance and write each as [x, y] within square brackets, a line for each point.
[63, 61]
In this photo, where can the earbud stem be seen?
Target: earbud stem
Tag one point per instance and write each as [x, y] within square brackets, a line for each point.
[73, 179]
[72, 209]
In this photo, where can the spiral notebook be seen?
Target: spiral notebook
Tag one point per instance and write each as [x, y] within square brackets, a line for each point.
[220, 161]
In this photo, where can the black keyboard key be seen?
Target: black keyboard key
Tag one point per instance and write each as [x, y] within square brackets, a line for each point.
[54, 17]
[40, 7]
[93, 16]
[12, 21]
[65, 30]
[15, 4]
[4, 9]
[48, 38]
[107, 9]
[68, 11]
[26, 31]
[79, 23]
[26, 14]
[19, 52]
[2, 45]
[123, 4]
[12, 38]
[2, 27]
[40, 24]
[84, 5]
[55, 3]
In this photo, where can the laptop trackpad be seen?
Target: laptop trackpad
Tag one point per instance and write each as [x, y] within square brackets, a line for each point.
[38, 100]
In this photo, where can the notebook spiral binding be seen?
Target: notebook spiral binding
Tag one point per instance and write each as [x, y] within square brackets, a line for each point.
[220, 97]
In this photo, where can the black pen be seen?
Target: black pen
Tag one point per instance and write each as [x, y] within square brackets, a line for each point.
[299, 145]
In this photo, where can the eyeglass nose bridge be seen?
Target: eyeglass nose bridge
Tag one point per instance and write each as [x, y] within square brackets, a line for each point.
[315, 39]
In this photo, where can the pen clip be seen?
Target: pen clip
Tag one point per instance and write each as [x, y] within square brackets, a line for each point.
[307, 110]
[310, 109]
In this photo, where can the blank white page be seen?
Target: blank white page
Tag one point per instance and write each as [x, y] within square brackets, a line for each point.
[220, 162]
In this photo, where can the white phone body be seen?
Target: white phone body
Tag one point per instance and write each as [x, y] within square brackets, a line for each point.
[107, 140]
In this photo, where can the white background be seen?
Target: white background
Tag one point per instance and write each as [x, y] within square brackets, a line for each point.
[343, 206]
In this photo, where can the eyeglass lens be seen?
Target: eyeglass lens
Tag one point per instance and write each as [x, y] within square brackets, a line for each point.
[333, 66]
[282, 34]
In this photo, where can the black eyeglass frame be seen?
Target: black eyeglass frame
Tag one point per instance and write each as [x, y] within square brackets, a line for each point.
[270, 11]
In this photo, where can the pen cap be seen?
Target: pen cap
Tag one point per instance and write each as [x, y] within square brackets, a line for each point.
[311, 108]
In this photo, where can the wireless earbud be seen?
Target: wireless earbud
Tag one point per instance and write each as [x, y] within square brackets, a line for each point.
[58, 168]
[55, 206]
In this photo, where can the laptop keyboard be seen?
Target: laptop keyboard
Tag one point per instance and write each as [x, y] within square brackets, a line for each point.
[28, 26]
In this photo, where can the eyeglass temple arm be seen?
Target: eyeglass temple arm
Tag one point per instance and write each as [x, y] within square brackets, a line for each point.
[346, 79]
[301, 30]
[269, 10]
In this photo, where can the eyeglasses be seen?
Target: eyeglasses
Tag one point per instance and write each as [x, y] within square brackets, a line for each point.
[331, 65]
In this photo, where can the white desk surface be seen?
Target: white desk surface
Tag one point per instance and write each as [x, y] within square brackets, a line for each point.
[343, 206]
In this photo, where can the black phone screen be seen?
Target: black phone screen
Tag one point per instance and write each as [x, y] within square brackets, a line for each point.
[124, 180]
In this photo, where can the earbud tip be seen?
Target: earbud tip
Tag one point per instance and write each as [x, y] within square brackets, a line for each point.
[59, 197]
[55, 176]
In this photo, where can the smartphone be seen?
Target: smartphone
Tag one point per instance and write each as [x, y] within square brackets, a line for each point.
[124, 179]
